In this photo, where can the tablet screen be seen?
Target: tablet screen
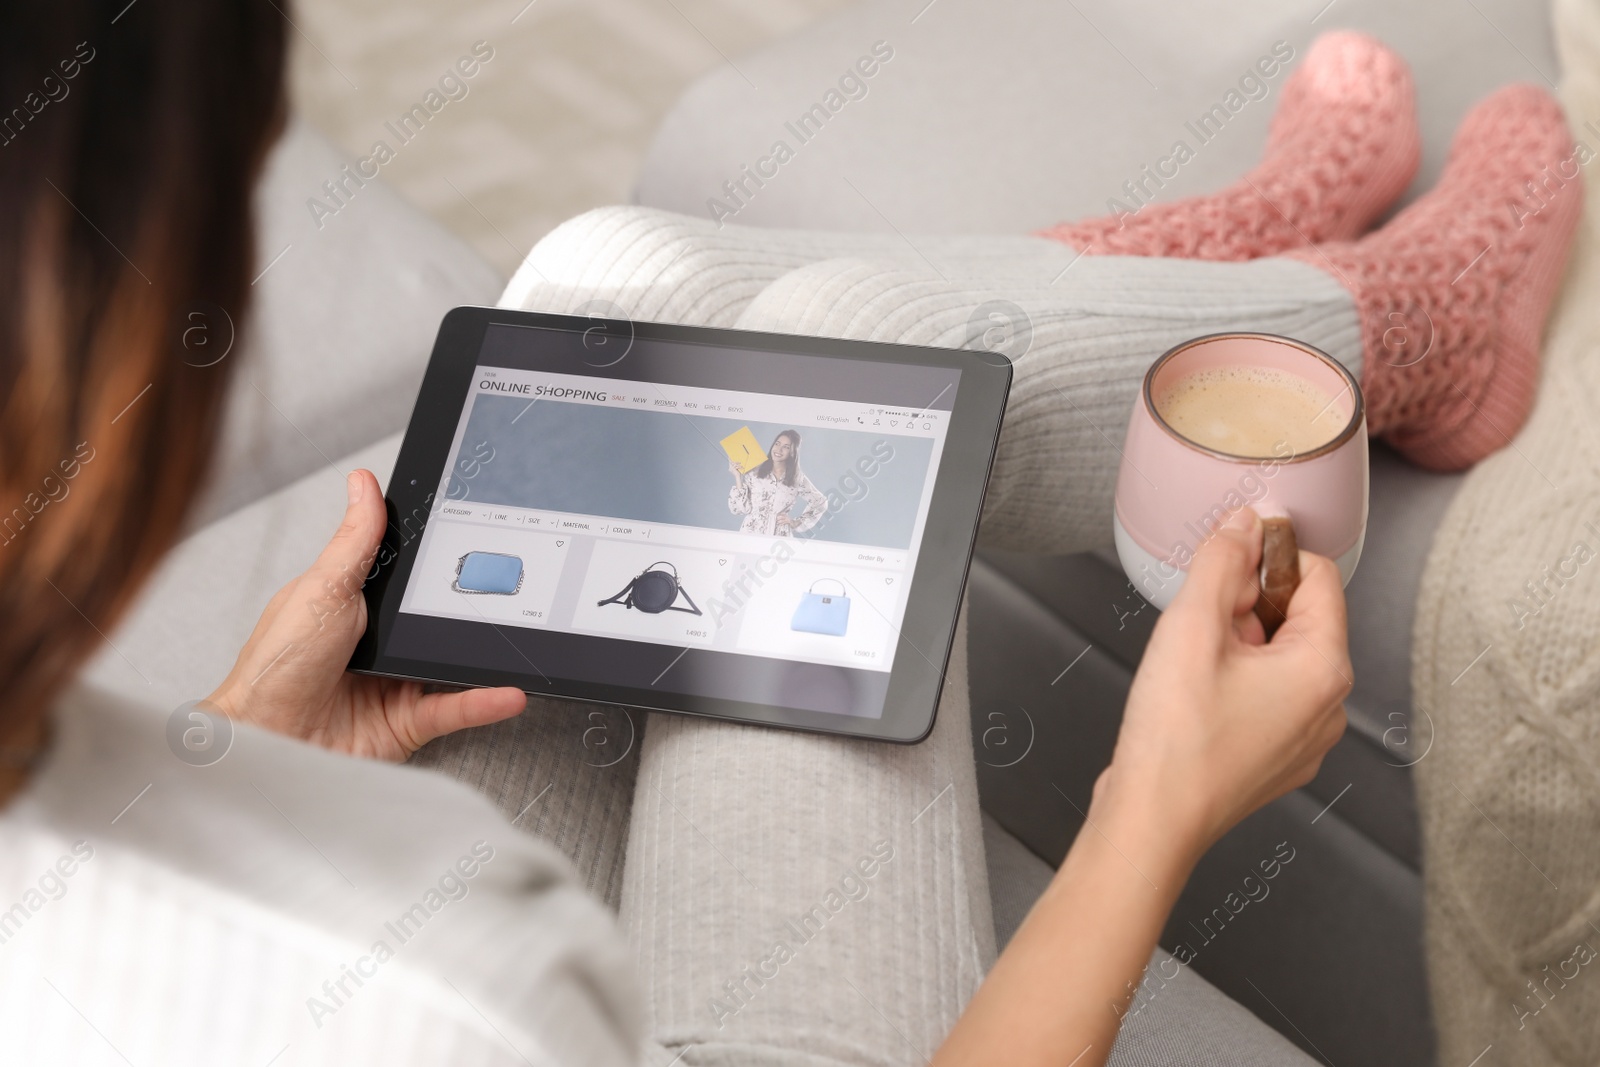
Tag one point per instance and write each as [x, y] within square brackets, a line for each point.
[767, 508]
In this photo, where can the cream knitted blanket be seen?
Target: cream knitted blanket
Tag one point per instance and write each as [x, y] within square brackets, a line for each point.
[1506, 661]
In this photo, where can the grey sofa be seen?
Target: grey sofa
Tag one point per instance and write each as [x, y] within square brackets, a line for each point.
[1006, 116]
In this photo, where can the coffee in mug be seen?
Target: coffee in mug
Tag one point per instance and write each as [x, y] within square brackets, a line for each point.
[1250, 410]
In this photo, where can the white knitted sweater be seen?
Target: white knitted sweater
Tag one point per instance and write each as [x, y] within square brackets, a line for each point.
[287, 906]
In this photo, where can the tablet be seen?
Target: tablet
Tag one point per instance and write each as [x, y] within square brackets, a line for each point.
[760, 527]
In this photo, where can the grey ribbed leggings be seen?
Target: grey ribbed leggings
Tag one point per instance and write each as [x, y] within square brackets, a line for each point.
[802, 899]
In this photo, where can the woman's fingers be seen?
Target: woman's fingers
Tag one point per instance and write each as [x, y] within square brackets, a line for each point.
[1247, 624]
[1318, 607]
[437, 714]
[1222, 573]
[1316, 620]
[308, 694]
[355, 542]
[336, 578]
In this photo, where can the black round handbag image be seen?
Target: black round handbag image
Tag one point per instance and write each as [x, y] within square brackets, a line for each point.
[654, 591]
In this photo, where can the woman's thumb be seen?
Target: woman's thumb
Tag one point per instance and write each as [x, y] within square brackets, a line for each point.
[355, 542]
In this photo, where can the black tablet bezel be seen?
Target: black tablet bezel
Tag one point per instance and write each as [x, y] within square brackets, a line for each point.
[922, 654]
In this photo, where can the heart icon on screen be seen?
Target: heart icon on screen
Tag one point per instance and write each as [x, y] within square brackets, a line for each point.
[722, 563]
[894, 422]
[888, 581]
[560, 543]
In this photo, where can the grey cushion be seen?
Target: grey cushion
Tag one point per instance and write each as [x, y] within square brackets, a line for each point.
[1009, 115]
[342, 327]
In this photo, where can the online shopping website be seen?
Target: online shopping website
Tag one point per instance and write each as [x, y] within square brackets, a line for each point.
[743, 522]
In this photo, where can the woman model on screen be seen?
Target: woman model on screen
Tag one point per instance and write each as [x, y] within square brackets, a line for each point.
[767, 495]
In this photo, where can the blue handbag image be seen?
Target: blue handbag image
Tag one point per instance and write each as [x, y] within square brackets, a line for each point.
[488, 572]
[822, 613]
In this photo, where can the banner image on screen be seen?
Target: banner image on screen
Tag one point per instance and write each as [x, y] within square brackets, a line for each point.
[778, 530]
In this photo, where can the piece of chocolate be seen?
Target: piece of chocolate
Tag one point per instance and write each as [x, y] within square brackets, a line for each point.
[1280, 573]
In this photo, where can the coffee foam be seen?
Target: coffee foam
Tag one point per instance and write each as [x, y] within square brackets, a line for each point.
[1256, 412]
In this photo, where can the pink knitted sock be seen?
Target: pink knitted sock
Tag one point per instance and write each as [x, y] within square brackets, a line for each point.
[1343, 145]
[1453, 292]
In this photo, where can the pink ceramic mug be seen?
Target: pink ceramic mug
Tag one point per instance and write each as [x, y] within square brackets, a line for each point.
[1172, 492]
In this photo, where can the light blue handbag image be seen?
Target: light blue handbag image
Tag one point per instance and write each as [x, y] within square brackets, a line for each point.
[495, 573]
[822, 613]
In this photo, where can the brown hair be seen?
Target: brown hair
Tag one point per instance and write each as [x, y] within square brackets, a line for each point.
[130, 140]
[791, 472]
